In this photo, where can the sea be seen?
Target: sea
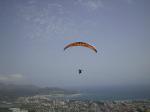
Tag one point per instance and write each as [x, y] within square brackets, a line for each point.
[111, 94]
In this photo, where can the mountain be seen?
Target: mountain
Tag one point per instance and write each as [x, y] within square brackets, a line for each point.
[9, 92]
[55, 90]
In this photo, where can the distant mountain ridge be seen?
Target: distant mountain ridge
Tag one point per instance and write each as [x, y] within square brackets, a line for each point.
[12, 91]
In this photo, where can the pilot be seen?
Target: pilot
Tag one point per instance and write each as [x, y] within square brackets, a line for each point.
[80, 71]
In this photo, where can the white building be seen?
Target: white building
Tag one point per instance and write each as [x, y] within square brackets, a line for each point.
[18, 110]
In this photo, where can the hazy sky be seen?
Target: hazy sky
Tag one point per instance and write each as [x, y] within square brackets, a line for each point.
[33, 34]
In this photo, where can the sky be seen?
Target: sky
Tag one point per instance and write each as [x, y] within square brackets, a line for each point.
[33, 34]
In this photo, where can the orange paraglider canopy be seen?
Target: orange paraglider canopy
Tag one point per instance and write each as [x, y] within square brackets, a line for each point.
[84, 44]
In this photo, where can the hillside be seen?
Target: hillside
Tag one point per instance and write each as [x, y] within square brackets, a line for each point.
[9, 92]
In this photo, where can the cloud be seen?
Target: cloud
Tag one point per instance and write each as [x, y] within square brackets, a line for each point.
[91, 4]
[52, 20]
[45, 20]
[11, 78]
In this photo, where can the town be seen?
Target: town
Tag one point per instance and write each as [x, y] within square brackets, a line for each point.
[44, 104]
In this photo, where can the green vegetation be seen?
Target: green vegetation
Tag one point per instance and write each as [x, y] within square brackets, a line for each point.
[4, 110]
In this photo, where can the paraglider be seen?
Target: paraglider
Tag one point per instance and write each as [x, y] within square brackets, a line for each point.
[80, 71]
[81, 44]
